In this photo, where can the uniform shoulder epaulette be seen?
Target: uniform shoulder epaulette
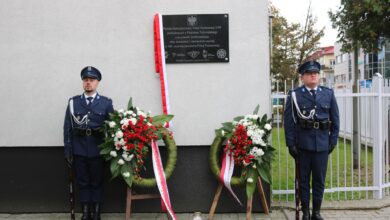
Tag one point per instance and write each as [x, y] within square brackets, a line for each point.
[74, 97]
[325, 88]
[105, 98]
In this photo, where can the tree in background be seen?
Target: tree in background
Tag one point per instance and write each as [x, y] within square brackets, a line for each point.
[362, 22]
[292, 43]
[284, 47]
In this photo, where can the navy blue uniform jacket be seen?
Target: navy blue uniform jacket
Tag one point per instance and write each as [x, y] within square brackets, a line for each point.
[326, 108]
[97, 113]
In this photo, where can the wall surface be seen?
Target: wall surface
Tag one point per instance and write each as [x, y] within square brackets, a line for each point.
[37, 182]
[45, 44]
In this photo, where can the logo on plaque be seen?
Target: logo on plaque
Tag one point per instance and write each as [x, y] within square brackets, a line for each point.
[193, 54]
[221, 53]
[192, 20]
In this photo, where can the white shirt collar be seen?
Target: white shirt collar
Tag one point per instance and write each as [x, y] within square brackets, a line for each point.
[93, 96]
[308, 89]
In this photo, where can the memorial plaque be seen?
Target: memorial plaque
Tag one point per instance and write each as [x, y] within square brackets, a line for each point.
[202, 38]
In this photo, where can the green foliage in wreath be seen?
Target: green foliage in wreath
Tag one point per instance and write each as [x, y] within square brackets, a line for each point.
[127, 143]
[247, 138]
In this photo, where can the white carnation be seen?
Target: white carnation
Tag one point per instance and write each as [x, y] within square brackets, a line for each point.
[125, 121]
[260, 152]
[126, 174]
[262, 143]
[260, 132]
[121, 162]
[127, 157]
[111, 124]
[267, 127]
[133, 121]
[119, 134]
[119, 142]
[113, 153]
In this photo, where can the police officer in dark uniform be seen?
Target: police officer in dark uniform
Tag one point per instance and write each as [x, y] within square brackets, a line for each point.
[84, 117]
[311, 123]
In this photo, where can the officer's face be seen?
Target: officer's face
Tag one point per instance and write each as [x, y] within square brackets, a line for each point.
[90, 85]
[311, 79]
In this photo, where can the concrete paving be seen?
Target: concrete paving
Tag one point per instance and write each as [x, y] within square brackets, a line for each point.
[340, 210]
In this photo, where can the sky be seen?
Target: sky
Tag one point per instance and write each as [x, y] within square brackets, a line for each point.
[295, 11]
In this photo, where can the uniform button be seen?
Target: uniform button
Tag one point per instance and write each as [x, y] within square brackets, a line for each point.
[89, 112]
[315, 106]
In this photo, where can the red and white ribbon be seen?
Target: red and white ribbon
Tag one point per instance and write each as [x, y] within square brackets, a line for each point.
[160, 179]
[227, 171]
[159, 55]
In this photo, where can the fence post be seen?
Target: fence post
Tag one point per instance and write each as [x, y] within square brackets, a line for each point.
[378, 137]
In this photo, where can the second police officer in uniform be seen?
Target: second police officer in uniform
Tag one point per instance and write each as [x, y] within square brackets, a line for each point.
[84, 117]
[311, 123]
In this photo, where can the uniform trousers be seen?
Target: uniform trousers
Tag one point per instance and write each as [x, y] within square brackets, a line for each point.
[312, 164]
[89, 174]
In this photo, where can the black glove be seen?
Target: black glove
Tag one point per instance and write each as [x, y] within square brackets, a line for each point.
[293, 151]
[331, 148]
[69, 160]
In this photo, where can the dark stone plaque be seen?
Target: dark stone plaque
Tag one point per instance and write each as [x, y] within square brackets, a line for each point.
[202, 38]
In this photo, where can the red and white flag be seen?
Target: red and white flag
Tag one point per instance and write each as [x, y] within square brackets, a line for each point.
[227, 171]
[159, 54]
[161, 180]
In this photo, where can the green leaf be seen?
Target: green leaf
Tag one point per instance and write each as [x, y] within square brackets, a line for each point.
[127, 168]
[161, 119]
[265, 174]
[130, 104]
[228, 126]
[238, 118]
[251, 186]
[264, 119]
[114, 167]
[256, 111]
[105, 151]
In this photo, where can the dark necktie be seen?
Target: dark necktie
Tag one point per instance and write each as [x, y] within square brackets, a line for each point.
[89, 101]
[313, 92]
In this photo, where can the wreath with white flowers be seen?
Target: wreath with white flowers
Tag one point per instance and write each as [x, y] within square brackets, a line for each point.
[248, 141]
[127, 143]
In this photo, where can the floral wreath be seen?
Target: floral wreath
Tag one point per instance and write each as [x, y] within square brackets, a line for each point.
[127, 143]
[246, 138]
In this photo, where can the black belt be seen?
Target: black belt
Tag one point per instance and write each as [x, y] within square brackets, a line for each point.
[87, 132]
[309, 124]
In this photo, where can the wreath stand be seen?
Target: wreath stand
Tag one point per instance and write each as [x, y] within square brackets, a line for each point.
[133, 196]
[248, 204]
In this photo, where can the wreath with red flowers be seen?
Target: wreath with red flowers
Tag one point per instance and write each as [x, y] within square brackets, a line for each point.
[248, 141]
[127, 143]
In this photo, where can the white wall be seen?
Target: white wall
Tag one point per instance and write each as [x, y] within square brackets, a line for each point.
[45, 44]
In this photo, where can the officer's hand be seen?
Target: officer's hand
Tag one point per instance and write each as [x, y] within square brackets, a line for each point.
[293, 151]
[331, 148]
[69, 160]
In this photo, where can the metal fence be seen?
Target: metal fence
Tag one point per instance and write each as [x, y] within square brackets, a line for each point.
[359, 166]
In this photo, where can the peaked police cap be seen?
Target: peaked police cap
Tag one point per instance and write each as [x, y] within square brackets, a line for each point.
[309, 66]
[91, 72]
